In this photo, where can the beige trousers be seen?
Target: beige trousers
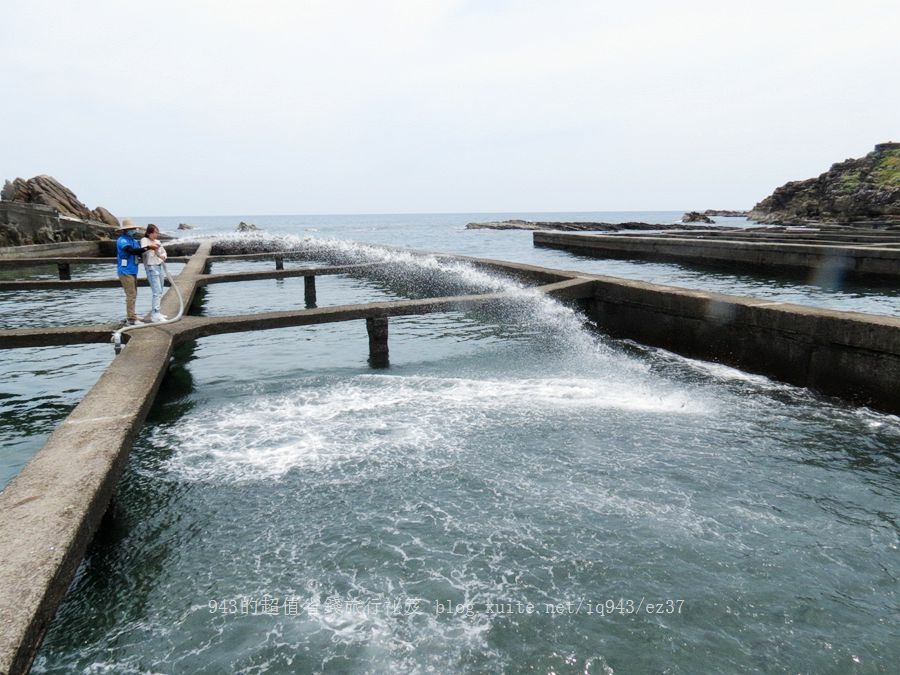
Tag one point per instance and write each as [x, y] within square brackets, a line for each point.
[129, 283]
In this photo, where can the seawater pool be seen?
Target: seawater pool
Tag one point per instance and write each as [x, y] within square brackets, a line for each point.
[510, 495]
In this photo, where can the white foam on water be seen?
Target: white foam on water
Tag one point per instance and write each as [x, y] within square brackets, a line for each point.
[379, 416]
[723, 372]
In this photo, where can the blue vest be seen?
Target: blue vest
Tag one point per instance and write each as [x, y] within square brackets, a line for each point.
[126, 263]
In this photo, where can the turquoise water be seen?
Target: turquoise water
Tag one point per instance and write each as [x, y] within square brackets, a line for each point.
[515, 493]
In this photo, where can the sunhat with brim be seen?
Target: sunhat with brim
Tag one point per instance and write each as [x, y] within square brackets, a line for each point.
[127, 224]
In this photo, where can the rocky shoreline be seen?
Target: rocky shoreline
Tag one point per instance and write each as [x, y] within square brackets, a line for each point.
[859, 192]
[41, 210]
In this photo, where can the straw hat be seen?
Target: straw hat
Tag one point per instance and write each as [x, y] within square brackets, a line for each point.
[127, 224]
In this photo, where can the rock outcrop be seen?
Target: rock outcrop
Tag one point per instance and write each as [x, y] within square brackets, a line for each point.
[726, 213]
[246, 227]
[696, 217]
[48, 191]
[41, 210]
[856, 191]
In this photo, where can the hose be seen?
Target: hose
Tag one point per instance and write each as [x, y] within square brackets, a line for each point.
[117, 335]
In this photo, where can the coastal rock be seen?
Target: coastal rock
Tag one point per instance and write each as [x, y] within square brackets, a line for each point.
[105, 216]
[855, 191]
[22, 224]
[726, 213]
[696, 217]
[48, 191]
[41, 210]
[246, 227]
[185, 226]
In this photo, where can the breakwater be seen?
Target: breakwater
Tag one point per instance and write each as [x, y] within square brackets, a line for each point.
[879, 258]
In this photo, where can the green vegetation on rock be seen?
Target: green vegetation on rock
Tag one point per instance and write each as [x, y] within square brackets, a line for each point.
[850, 183]
[887, 171]
[859, 191]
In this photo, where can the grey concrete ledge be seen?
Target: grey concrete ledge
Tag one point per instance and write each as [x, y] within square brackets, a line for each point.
[49, 512]
[192, 328]
[852, 355]
[855, 260]
[205, 280]
[888, 239]
[56, 285]
[12, 263]
[50, 337]
[211, 278]
[77, 248]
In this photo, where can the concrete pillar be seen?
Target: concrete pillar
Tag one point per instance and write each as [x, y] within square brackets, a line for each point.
[309, 291]
[377, 328]
[279, 262]
[65, 271]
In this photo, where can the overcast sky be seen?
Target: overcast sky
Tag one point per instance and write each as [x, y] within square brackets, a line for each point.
[194, 107]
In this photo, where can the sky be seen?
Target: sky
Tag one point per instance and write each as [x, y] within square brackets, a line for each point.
[218, 107]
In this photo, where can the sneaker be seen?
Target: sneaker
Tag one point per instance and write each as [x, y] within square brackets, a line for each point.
[134, 322]
[156, 317]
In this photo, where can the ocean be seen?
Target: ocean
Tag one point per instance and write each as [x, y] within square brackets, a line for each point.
[515, 493]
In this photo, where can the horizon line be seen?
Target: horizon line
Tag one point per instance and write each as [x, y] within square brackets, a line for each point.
[419, 213]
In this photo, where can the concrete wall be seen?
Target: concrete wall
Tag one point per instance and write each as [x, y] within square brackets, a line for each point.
[852, 355]
[25, 224]
[21, 223]
[67, 249]
[832, 260]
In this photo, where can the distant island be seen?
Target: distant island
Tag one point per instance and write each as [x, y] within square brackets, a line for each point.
[864, 191]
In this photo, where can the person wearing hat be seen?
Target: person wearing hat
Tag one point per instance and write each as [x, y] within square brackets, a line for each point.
[128, 254]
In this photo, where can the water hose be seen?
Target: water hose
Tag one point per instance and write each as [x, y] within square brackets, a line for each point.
[117, 335]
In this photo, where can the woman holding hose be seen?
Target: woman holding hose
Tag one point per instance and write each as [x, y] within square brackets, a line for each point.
[153, 261]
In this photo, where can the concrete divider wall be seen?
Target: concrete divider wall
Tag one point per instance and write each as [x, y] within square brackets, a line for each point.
[76, 248]
[856, 356]
[852, 260]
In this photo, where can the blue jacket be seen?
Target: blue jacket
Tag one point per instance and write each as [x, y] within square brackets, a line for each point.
[128, 253]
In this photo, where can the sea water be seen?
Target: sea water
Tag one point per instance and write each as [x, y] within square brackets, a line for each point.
[515, 493]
